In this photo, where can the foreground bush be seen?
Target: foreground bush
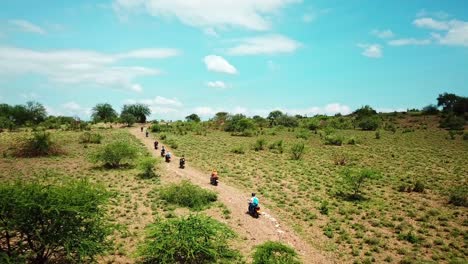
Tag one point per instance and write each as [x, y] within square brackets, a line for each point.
[259, 144]
[115, 154]
[277, 146]
[146, 165]
[297, 151]
[188, 195]
[354, 180]
[274, 253]
[91, 138]
[40, 222]
[193, 239]
[459, 196]
[40, 144]
[333, 139]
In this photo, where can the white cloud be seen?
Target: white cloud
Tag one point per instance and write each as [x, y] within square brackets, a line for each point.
[309, 17]
[210, 32]
[269, 44]
[430, 23]
[456, 31]
[159, 105]
[30, 96]
[217, 84]
[80, 67]
[74, 109]
[409, 41]
[219, 64]
[27, 26]
[438, 14]
[371, 50]
[383, 34]
[159, 100]
[249, 14]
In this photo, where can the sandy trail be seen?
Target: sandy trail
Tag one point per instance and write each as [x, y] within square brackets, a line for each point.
[256, 231]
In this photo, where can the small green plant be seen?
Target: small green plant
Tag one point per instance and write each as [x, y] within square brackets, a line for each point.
[303, 134]
[458, 196]
[115, 154]
[40, 144]
[193, 239]
[323, 208]
[163, 136]
[377, 134]
[419, 186]
[146, 165]
[277, 146]
[355, 179]
[90, 138]
[297, 151]
[188, 195]
[42, 222]
[238, 150]
[272, 252]
[352, 141]
[155, 128]
[259, 144]
[333, 139]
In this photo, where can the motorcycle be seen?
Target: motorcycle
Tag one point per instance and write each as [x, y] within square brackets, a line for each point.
[182, 163]
[254, 211]
[168, 158]
[163, 153]
[156, 145]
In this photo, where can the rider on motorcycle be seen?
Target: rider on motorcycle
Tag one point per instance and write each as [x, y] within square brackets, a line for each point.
[214, 177]
[156, 143]
[168, 156]
[182, 162]
[163, 151]
[253, 203]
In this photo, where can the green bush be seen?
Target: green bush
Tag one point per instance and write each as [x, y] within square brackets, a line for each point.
[193, 239]
[172, 143]
[146, 165]
[90, 138]
[354, 180]
[272, 252]
[303, 134]
[188, 195]
[61, 221]
[352, 141]
[163, 136]
[333, 139]
[115, 154]
[369, 123]
[458, 196]
[259, 144]
[452, 122]
[377, 134]
[40, 144]
[238, 150]
[419, 186]
[277, 146]
[297, 151]
[156, 128]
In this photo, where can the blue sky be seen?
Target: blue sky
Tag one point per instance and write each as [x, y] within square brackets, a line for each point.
[244, 56]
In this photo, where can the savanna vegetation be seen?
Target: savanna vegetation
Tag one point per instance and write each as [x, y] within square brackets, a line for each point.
[366, 188]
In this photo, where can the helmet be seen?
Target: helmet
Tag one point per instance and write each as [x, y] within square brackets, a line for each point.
[253, 194]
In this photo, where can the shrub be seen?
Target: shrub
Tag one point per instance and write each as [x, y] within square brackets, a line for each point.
[146, 165]
[352, 141]
[156, 128]
[297, 151]
[277, 146]
[304, 134]
[172, 143]
[452, 122]
[128, 119]
[238, 150]
[369, 123]
[163, 136]
[419, 186]
[355, 179]
[41, 222]
[323, 208]
[390, 127]
[458, 196]
[259, 144]
[340, 159]
[115, 154]
[333, 139]
[90, 138]
[313, 124]
[40, 144]
[188, 195]
[377, 134]
[272, 252]
[193, 239]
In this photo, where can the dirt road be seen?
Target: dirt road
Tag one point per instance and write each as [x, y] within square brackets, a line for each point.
[255, 231]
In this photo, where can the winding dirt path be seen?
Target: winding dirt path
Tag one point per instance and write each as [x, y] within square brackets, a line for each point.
[254, 231]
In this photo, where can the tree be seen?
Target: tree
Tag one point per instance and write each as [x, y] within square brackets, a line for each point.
[430, 110]
[62, 222]
[364, 111]
[447, 101]
[220, 118]
[369, 123]
[128, 119]
[287, 121]
[103, 113]
[140, 111]
[273, 117]
[36, 112]
[193, 118]
[355, 179]
[115, 154]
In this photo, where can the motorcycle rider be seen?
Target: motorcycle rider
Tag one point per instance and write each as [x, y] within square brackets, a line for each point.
[182, 162]
[168, 156]
[163, 151]
[214, 177]
[253, 203]
[147, 132]
[156, 143]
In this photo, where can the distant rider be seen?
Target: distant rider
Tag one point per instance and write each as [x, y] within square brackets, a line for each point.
[156, 143]
[168, 156]
[182, 162]
[147, 132]
[253, 202]
[163, 151]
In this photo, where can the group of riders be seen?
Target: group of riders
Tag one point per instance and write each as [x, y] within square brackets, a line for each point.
[254, 208]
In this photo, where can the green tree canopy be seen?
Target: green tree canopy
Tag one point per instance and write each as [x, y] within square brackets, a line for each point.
[140, 111]
[193, 118]
[103, 113]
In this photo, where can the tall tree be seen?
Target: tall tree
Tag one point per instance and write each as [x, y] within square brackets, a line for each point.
[447, 101]
[36, 112]
[274, 116]
[140, 111]
[103, 113]
[193, 118]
